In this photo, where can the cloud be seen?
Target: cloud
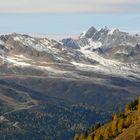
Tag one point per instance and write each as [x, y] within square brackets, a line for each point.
[61, 6]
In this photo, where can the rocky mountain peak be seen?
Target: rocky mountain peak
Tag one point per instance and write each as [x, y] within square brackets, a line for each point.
[91, 31]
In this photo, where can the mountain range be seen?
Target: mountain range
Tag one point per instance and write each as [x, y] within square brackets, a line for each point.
[96, 73]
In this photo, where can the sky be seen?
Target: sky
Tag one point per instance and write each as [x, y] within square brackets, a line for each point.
[68, 17]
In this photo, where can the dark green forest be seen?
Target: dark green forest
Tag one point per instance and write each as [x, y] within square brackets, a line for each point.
[47, 122]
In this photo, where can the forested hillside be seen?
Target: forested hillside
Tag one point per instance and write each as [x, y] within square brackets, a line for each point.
[124, 126]
[46, 122]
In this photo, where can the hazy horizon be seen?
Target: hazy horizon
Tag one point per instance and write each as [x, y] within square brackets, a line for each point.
[68, 18]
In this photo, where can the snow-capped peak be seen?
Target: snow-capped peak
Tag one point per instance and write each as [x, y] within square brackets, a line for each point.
[111, 32]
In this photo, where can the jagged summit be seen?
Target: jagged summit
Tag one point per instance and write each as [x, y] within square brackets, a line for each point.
[91, 31]
[105, 39]
[109, 31]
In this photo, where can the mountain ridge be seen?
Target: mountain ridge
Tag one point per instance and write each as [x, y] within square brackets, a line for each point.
[56, 52]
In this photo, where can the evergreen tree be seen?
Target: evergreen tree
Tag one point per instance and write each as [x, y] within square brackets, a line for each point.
[85, 134]
[97, 125]
[91, 129]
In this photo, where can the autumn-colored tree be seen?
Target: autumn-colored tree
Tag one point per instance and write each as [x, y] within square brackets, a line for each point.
[77, 137]
[120, 125]
[90, 137]
[98, 136]
[128, 121]
[114, 124]
[107, 133]
[127, 108]
[85, 134]
[81, 137]
[122, 115]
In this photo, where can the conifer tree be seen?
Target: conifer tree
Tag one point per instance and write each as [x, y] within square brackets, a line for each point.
[114, 124]
[77, 137]
[90, 137]
[120, 125]
[98, 136]
[127, 108]
[107, 133]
